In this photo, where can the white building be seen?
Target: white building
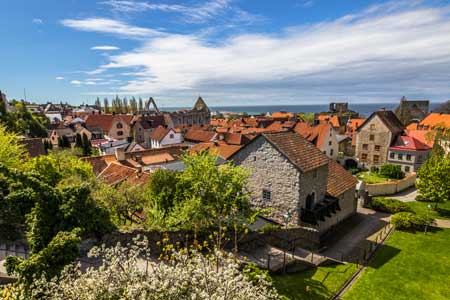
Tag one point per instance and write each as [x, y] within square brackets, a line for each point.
[162, 137]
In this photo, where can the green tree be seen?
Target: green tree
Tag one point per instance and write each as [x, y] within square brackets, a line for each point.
[434, 178]
[12, 152]
[78, 141]
[392, 171]
[307, 117]
[106, 109]
[87, 146]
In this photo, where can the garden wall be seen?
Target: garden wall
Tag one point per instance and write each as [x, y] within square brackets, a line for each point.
[392, 187]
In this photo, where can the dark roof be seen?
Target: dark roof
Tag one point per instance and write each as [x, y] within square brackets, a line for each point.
[34, 147]
[339, 180]
[304, 155]
[388, 118]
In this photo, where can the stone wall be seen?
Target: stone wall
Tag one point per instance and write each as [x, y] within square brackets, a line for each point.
[382, 137]
[348, 204]
[272, 171]
[313, 181]
[392, 187]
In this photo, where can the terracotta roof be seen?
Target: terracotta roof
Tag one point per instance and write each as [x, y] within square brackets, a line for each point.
[412, 126]
[157, 158]
[159, 133]
[280, 126]
[339, 180]
[115, 173]
[222, 149]
[195, 135]
[409, 143]
[34, 146]
[354, 123]
[304, 155]
[282, 115]
[139, 178]
[424, 136]
[105, 121]
[148, 122]
[333, 120]
[99, 163]
[434, 119]
[315, 134]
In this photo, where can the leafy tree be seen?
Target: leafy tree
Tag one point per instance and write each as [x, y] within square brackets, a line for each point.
[392, 171]
[78, 141]
[98, 104]
[87, 146]
[434, 178]
[307, 117]
[12, 152]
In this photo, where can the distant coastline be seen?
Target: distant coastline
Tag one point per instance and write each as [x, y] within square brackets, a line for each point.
[364, 109]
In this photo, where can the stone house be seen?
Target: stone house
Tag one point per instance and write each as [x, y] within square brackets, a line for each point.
[163, 137]
[375, 136]
[143, 126]
[114, 126]
[409, 153]
[292, 177]
[198, 115]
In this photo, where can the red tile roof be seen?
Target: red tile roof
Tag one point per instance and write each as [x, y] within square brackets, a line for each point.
[424, 136]
[333, 120]
[116, 173]
[280, 126]
[304, 155]
[315, 134]
[159, 133]
[435, 119]
[409, 143]
[196, 135]
[339, 180]
[219, 148]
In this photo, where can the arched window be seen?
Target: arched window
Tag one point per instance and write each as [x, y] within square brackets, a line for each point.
[119, 125]
[119, 133]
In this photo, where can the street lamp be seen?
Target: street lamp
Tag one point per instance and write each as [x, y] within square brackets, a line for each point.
[426, 221]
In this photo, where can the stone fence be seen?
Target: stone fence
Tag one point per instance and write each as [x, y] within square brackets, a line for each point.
[391, 187]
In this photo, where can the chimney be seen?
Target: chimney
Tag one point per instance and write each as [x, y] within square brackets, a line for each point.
[120, 154]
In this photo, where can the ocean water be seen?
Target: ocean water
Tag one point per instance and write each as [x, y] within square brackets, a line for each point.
[364, 109]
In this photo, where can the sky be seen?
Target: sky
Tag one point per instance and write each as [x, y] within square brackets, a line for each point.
[230, 52]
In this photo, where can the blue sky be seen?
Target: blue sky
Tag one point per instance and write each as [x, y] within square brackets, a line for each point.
[231, 52]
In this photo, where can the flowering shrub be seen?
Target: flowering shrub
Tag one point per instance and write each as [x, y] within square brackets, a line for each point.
[130, 273]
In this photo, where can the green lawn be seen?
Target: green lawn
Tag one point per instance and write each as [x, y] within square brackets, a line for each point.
[314, 284]
[442, 212]
[410, 266]
[371, 177]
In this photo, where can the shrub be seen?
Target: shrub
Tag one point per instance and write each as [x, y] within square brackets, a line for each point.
[269, 228]
[354, 171]
[410, 221]
[373, 169]
[392, 171]
[389, 205]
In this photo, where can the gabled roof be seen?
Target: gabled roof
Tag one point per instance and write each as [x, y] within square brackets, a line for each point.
[116, 173]
[301, 153]
[333, 120]
[409, 143]
[221, 149]
[339, 180]
[105, 121]
[159, 133]
[315, 134]
[424, 136]
[148, 122]
[388, 118]
[197, 135]
[34, 146]
[280, 126]
[200, 105]
[354, 123]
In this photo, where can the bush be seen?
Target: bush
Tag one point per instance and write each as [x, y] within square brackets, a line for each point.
[354, 171]
[373, 169]
[410, 221]
[392, 171]
[389, 205]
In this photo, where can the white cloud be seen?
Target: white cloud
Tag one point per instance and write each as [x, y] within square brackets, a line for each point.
[76, 82]
[199, 13]
[38, 21]
[59, 78]
[111, 26]
[105, 48]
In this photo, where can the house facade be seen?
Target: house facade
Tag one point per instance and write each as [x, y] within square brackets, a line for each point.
[409, 153]
[163, 137]
[375, 136]
[116, 127]
[142, 127]
[323, 136]
[293, 177]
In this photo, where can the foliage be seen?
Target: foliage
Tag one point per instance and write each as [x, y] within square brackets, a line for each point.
[181, 275]
[86, 145]
[12, 152]
[392, 171]
[354, 171]
[410, 221]
[254, 273]
[22, 121]
[389, 205]
[410, 266]
[201, 196]
[123, 201]
[269, 228]
[434, 178]
[307, 117]
[371, 178]
[50, 261]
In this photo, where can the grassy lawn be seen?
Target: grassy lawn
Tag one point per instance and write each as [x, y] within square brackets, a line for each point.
[371, 177]
[410, 266]
[442, 212]
[314, 284]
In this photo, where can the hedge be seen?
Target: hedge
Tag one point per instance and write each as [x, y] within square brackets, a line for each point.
[389, 205]
[410, 221]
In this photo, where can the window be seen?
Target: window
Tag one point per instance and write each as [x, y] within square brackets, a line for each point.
[310, 200]
[407, 168]
[254, 157]
[119, 125]
[372, 137]
[331, 152]
[315, 173]
[171, 136]
[376, 159]
[329, 143]
[377, 147]
[267, 195]
[372, 126]
[365, 147]
[408, 156]
[392, 155]
[139, 129]
[364, 156]
[119, 133]
[400, 156]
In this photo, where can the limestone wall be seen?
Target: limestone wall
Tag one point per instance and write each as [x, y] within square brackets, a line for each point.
[389, 188]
